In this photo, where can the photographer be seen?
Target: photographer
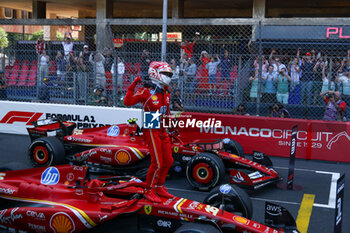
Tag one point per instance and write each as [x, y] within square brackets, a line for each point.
[97, 98]
[335, 110]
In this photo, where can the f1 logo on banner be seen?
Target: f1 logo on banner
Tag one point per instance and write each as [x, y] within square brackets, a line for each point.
[18, 116]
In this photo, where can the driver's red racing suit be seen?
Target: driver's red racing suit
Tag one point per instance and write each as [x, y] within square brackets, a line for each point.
[158, 140]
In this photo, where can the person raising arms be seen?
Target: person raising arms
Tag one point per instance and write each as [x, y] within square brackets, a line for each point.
[155, 97]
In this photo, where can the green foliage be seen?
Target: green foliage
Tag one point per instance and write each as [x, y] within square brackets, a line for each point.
[40, 34]
[3, 38]
[59, 35]
[37, 35]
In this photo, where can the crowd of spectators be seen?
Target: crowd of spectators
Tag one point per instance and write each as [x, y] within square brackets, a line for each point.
[281, 78]
[89, 68]
[300, 79]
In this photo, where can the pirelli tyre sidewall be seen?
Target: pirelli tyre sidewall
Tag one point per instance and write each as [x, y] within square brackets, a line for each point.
[233, 147]
[205, 171]
[197, 228]
[45, 152]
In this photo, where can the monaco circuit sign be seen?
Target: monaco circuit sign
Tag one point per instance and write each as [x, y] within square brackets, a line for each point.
[322, 140]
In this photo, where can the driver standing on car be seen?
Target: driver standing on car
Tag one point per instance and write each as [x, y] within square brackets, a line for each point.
[155, 97]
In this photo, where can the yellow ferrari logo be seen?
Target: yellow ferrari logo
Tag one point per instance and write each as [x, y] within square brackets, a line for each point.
[148, 209]
[176, 149]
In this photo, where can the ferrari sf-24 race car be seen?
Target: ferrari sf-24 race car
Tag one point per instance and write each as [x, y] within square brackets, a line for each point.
[122, 148]
[66, 198]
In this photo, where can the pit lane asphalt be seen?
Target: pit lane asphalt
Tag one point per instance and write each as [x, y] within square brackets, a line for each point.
[314, 177]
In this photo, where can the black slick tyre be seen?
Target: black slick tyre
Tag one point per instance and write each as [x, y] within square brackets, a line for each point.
[205, 171]
[44, 152]
[197, 228]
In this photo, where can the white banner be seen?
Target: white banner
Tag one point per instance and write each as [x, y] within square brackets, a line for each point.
[15, 117]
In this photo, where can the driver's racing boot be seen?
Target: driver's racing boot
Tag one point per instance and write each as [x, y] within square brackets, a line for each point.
[151, 195]
[163, 192]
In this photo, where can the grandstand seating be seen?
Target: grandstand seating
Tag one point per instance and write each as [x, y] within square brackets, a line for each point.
[32, 76]
[14, 75]
[109, 80]
[126, 82]
[23, 73]
[8, 71]
[137, 68]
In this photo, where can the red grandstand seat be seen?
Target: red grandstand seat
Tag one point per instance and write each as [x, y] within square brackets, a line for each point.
[137, 68]
[34, 62]
[126, 82]
[33, 67]
[13, 78]
[17, 62]
[203, 81]
[109, 81]
[31, 78]
[128, 68]
[8, 71]
[234, 74]
[23, 74]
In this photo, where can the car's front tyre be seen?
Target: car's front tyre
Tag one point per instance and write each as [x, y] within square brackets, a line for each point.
[205, 171]
[197, 228]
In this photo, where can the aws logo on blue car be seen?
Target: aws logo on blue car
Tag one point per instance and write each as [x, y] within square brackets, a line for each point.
[113, 131]
[50, 176]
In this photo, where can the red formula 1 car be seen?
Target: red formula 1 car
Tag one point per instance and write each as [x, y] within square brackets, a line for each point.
[66, 199]
[122, 149]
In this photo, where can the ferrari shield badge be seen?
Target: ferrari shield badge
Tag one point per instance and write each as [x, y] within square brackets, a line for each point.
[147, 209]
[176, 149]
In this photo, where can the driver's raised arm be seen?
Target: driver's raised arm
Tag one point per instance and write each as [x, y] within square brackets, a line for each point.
[132, 98]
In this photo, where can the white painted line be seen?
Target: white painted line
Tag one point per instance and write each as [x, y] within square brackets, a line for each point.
[332, 191]
[333, 186]
[297, 169]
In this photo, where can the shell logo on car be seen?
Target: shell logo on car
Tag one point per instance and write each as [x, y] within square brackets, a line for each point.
[241, 220]
[122, 157]
[62, 223]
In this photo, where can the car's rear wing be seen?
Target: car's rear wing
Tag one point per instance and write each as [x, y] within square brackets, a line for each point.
[52, 127]
[207, 144]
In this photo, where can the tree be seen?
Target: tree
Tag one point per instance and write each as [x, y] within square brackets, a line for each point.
[59, 36]
[3, 38]
[40, 34]
[37, 35]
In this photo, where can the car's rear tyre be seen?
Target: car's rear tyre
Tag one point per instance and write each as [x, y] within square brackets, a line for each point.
[204, 171]
[238, 202]
[44, 152]
[233, 147]
[197, 228]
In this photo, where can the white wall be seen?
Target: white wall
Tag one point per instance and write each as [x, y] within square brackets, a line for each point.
[15, 117]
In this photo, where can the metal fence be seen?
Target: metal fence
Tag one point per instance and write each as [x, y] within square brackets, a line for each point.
[217, 68]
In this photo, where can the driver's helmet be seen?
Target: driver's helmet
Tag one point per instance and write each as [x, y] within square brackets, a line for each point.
[160, 72]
